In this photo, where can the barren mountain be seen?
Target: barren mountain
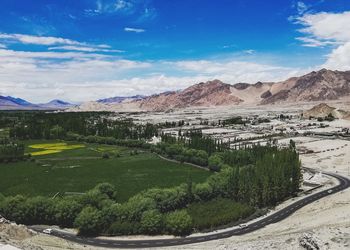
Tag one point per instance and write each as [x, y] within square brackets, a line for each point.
[315, 86]
[211, 93]
[319, 85]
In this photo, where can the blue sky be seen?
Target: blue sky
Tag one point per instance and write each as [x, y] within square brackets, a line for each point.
[100, 48]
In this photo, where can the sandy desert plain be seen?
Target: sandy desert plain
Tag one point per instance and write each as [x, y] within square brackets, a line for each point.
[326, 221]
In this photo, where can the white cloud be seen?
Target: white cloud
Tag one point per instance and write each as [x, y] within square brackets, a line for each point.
[238, 71]
[328, 29]
[313, 42]
[6, 53]
[339, 58]
[127, 29]
[122, 5]
[327, 26]
[39, 40]
[84, 49]
[301, 7]
[47, 40]
[76, 76]
[249, 51]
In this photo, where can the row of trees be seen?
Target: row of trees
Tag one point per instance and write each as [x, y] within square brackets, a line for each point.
[11, 151]
[41, 125]
[194, 139]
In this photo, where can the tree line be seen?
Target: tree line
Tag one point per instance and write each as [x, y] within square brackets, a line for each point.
[41, 125]
[11, 150]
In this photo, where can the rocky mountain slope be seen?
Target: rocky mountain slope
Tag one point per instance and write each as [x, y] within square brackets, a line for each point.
[119, 99]
[316, 86]
[211, 93]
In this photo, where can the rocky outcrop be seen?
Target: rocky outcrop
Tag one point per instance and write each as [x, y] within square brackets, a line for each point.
[266, 94]
[309, 242]
[241, 85]
[323, 110]
[319, 111]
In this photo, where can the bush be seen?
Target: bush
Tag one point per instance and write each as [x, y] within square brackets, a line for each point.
[151, 222]
[105, 156]
[136, 205]
[202, 192]
[178, 223]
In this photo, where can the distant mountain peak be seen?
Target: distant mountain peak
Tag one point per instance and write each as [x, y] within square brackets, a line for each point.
[119, 99]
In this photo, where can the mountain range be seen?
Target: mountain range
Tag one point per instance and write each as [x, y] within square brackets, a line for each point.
[319, 85]
[13, 103]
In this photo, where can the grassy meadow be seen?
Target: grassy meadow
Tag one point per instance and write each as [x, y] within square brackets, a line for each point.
[77, 167]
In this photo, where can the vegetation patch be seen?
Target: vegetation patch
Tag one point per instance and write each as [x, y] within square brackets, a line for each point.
[81, 169]
[53, 148]
[218, 212]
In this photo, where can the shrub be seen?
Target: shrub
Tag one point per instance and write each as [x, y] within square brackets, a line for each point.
[136, 205]
[178, 223]
[151, 222]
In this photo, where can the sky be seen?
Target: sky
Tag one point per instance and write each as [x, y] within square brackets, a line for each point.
[82, 50]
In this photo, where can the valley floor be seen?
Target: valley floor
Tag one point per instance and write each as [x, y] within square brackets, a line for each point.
[327, 221]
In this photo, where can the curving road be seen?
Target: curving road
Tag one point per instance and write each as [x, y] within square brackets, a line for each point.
[344, 183]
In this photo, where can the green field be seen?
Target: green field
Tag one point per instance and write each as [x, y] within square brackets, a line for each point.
[80, 169]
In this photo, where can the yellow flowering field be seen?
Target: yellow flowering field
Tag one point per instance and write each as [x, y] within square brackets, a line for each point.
[52, 148]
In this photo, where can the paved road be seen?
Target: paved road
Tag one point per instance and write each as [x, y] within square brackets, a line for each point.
[273, 218]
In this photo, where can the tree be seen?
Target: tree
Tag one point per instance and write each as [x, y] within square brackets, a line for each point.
[215, 162]
[107, 189]
[66, 211]
[40, 210]
[87, 222]
[57, 132]
[178, 223]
